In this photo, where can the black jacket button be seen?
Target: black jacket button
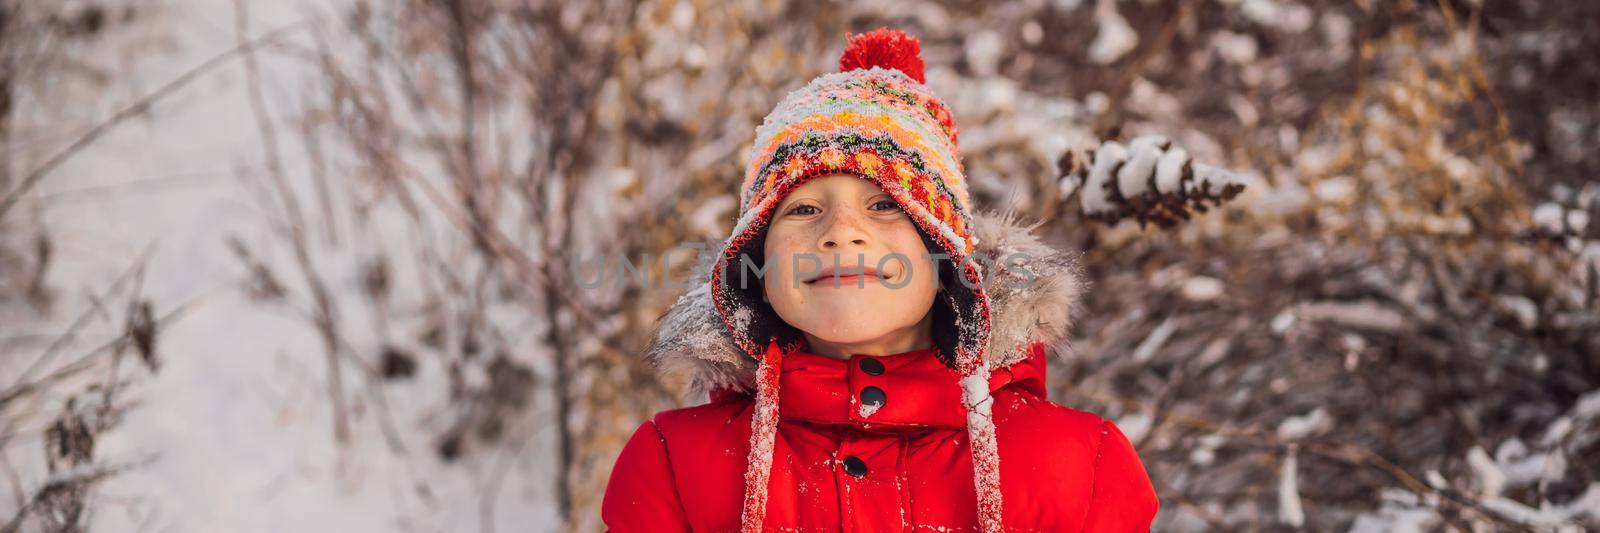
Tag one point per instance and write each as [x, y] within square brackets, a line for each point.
[855, 466]
[873, 396]
[871, 365]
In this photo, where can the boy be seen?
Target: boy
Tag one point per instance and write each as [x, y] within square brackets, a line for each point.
[874, 351]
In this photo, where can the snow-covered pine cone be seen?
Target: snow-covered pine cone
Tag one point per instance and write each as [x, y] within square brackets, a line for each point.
[1149, 180]
[1555, 220]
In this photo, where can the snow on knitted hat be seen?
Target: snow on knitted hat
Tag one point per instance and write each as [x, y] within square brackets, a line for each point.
[875, 120]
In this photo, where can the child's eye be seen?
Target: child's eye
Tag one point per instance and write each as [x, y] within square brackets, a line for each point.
[885, 205]
[797, 210]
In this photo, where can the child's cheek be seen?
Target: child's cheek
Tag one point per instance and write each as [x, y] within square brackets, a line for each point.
[783, 260]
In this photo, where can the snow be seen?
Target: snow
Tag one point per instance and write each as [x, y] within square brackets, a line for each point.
[1550, 516]
[1390, 519]
[1153, 342]
[1577, 221]
[1288, 17]
[1205, 450]
[1135, 426]
[1300, 427]
[1524, 310]
[1588, 406]
[1491, 478]
[986, 455]
[1588, 197]
[1557, 220]
[1202, 289]
[763, 431]
[1067, 5]
[1337, 189]
[1115, 38]
[1032, 32]
[707, 218]
[1363, 314]
[1521, 467]
[1117, 181]
[1336, 30]
[1514, 465]
[1169, 170]
[1133, 178]
[1237, 48]
[1148, 99]
[975, 391]
[1289, 509]
[1069, 185]
[1244, 110]
[234, 432]
[984, 50]
[1584, 411]
[1095, 197]
[999, 96]
[866, 410]
[1210, 179]
[1548, 217]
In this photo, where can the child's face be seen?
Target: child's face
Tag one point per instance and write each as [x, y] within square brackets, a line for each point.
[847, 221]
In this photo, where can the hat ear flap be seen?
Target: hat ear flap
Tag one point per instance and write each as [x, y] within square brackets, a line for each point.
[946, 336]
[744, 282]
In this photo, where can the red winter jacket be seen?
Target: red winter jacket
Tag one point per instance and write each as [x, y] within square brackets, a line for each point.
[908, 469]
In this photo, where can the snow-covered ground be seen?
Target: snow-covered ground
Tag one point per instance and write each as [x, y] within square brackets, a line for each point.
[234, 433]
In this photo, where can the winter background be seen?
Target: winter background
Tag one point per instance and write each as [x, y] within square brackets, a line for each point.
[308, 265]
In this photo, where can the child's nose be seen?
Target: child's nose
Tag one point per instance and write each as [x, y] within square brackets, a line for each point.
[831, 243]
[843, 229]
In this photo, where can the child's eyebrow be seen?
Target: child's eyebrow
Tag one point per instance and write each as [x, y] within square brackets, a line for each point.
[789, 201]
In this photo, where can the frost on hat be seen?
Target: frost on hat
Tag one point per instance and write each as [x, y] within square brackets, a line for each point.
[875, 120]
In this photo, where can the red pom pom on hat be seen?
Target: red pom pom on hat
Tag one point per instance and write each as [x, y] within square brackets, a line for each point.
[883, 47]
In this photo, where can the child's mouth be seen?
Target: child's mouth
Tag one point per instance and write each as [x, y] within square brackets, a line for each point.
[846, 276]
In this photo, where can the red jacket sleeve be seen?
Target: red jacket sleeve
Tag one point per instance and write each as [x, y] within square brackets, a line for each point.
[641, 494]
[1123, 498]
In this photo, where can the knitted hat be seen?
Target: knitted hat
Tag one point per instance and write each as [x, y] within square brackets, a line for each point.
[876, 120]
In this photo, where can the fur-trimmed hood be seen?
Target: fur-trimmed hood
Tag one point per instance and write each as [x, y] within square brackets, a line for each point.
[1032, 299]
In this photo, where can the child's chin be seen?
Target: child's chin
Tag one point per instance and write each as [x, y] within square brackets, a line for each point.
[838, 316]
[844, 332]
[853, 300]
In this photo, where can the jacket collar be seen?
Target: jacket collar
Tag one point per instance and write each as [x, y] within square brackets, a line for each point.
[919, 391]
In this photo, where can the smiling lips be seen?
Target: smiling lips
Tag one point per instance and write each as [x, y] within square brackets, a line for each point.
[846, 275]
